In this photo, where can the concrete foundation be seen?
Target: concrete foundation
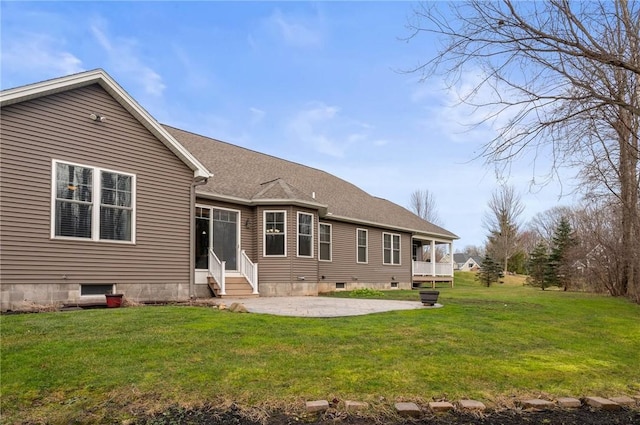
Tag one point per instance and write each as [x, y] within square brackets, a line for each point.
[26, 297]
[288, 289]
[324, 286]
[17, 297]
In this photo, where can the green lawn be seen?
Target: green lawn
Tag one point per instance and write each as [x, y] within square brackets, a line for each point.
[486, 343]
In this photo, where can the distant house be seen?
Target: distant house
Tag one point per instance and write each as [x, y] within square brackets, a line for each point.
[98, 197]
[595, 256]
[463, 262]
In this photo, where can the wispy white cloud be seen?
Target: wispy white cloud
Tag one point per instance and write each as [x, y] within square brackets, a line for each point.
[39, 53]
[456, 121]
[327, 131]
[123, 56]
[296, 30]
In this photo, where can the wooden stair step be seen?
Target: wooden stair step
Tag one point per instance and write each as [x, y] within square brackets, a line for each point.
[235, 287]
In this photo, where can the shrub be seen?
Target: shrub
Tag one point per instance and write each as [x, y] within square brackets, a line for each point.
[366, 292]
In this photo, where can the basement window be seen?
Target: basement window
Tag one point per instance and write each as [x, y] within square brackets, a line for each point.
[340, 285]
[87, 290]
[394, 284]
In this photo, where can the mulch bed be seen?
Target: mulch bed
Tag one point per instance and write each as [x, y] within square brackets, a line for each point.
[232, 416]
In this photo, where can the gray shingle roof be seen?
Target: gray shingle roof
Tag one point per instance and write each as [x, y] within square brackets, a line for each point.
[254, 178]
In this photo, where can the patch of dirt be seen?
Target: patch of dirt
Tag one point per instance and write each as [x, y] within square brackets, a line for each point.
[233, 416]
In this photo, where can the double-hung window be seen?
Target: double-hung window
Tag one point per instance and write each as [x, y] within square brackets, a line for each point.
[324, 242]
[92, 203]
[362, 240]
[305, 234]
[390, 248]
[275, 240]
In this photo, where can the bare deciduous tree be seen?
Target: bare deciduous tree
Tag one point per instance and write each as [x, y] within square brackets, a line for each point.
[544, 223]
[567, 77]
[502, 222]
[423, 204]
[474, 251]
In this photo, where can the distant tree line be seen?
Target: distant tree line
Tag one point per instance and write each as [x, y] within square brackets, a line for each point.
[574, 248]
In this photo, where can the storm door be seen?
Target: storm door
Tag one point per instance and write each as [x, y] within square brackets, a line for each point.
[225, 237]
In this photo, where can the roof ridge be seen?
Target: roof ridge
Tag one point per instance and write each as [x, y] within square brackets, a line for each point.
[259, 153]
[289, 190]
[270, 181]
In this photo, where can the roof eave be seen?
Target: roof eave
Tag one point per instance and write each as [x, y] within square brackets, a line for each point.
[98, 76]
[414, 232]
[322, 209]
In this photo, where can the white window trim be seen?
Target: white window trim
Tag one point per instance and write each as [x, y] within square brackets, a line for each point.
[298, 234]
[399, 249]
[97, 195]
[330, 242]
[366, 232]
[264, 233]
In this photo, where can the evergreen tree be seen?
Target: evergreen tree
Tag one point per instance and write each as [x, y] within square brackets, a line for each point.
[518, 262]
[558, 267]
[490, 272]
[538, 265]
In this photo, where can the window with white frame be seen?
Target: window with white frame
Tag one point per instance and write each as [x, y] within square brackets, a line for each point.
[362, 241]
[275, 241]
[390, 248]
[305, 234]
[92, 203]
[324, 242]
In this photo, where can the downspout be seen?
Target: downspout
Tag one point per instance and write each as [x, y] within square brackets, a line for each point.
[198, 181]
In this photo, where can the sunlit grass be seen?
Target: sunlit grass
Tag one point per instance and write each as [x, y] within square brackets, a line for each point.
[485, 343]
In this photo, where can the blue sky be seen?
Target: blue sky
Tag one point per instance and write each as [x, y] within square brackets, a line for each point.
[321, 84]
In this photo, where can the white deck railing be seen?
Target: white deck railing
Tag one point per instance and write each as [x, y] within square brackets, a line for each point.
[444, 269]
[249, 270]
[424, 268]
[217, 270]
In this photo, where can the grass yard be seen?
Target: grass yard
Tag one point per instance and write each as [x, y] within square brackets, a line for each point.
[486, 343]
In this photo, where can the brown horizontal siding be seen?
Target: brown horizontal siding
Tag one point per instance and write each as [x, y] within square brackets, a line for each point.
[58, 127]
[344, 268]
[89, 138]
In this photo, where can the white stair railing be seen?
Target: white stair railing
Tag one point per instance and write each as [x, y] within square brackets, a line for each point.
[217, 270]
[249, 270]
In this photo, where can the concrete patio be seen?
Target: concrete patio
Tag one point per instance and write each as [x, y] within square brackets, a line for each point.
[322, 306]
